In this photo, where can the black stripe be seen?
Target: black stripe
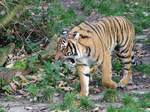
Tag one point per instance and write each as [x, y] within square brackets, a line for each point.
[80, 27]
[88, 75]
[104, 22]
[89, 53]
[91, 27]
[97, 58]
[82, 65]
[110, 31]
[132, 57]
[126, 69]
[118, 22]
[124, 50]
[112, 28]
[120, 30]
[88, 31]
[75, 33]
[128, 62]
[94, 31]
[69, 45]
[121, 56]
[86, 50]
[126, 29]
[83, 36]
[74, 49]
[116, 29]
[102, 27]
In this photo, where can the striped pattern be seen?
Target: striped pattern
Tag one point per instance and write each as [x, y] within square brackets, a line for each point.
[92, 43]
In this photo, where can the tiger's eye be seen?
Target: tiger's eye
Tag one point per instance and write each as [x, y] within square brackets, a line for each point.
[68, 53]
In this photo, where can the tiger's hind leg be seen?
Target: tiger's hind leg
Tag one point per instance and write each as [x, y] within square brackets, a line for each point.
[126, 60]
[107, 72]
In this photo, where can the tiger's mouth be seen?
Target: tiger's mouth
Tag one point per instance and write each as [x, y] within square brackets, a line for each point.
[69, 61]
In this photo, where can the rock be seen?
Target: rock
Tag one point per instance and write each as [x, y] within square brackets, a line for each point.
[140, 91]
[141, 37]
[6, 74]
[24, 106]
[4, 52]
[96, 97]
[146, 60]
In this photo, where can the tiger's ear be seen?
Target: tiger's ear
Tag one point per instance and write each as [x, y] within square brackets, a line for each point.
[76, 38]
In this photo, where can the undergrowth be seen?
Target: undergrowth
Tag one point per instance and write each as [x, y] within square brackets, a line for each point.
[136, 11]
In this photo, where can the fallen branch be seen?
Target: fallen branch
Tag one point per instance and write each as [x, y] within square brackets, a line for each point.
[10, 15]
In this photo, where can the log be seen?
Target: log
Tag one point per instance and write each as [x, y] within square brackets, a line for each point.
[7, 74]
[50, 50]
[4, 21]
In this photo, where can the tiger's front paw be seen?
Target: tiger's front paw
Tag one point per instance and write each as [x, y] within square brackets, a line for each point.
[110, 84]
[81, 94]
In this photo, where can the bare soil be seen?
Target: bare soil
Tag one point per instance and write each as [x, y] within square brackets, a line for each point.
[141, 81]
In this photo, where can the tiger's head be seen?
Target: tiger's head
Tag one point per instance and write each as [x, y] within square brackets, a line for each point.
[66, 49]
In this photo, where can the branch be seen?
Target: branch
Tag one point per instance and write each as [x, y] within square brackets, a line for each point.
[10, 15]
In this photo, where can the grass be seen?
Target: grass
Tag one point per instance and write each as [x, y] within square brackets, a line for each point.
[38, 23]
[117, 66]
[145, 68]
[20, 64]
[67, 104]
[52, 21]
[86, 103]
[136, 11]
[73, 105]
[2, 109]
[131, 103]
[111, 95]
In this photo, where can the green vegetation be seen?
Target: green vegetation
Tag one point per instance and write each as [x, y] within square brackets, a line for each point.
[50, 78]
[67, 104]
[143, 68]
[111, 109]
[20, 64]
[38, 23]
[144, 42]
[86, 103]
[43, 20]
[2, 110]
[10, 97]
[136, 11]
[131, 103]
[117, 66]
[111, 95]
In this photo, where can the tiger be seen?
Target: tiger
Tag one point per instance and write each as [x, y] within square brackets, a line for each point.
[92, 43]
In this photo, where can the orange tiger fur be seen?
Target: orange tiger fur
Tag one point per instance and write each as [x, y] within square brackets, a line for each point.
[92, 43]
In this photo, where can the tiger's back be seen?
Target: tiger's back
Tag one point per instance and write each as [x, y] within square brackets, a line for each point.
[110, 32]
[94, 43]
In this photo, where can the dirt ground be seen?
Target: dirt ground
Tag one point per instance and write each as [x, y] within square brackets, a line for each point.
[141, 81]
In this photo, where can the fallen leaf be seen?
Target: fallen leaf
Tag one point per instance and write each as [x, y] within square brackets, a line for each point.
[132, 87]
[12, 87]
[61, 74]
[23, 79]
[67, 88]
[28, 108]
[93, 12]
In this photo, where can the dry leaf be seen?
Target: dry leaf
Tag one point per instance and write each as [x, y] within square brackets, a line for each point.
[28, 108]
[23, 79]
[77, 103]
[12, 87]
[61, 74]
[93, 12]
[67, 88]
